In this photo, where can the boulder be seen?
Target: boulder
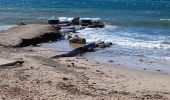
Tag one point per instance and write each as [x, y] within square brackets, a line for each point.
[76, 21]
[78, 40]
[86, 22]
[57, 27]
[103, 44]
[53, 21]
[22, 23]
[97, 25]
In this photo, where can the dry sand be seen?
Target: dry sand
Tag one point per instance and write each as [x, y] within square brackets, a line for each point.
[14, 36]
[76, 78]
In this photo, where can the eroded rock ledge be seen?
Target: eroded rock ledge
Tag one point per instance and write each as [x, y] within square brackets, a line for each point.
[30, 34]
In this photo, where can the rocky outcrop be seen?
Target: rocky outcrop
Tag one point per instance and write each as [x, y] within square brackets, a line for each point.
[76, 21]
[86, 22]
[30, 34]
[53, 21]
[97, 25]
[102, 44]
[77, 39]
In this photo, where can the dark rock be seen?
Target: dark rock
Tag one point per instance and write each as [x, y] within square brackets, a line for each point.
[158, 70]
[22, 23]
[90, 49]
[72, 64]
[77, 39]
[110, 61]
[53, 21]
[141, 60]
[97, 25]
[57, 27]
[65, 79]
[86, 22]
[76, 21]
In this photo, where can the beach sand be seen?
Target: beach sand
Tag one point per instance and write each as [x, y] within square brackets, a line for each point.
[75, 78]
[41, 77]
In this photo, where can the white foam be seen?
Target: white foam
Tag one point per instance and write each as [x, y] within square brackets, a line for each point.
[96, 34]
[71, 18]
[6, 27]
[165, 19]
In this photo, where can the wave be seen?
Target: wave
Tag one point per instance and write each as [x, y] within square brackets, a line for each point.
[68, 18]
[6, 27]
[164, 19]
[126, 41]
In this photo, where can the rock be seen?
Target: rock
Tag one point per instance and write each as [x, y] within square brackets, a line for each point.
[77, 39]
[86, 22]
[65, 79]
[22, 23]
[53, 21]
[68, 30]
[97, 25]
[72, 64]
[76, 21]
[90, 49]
[57, 27]
[102, 44]
[110, 60]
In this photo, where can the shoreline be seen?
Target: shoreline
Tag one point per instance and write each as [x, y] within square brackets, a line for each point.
[41, 76]
[76, 78]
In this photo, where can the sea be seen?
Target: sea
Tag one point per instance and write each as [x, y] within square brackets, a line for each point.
[138, 29]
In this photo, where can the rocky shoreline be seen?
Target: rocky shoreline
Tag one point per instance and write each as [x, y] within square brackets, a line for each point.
[50, 75]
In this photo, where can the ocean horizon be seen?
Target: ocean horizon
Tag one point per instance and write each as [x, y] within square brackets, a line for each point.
[138, 29]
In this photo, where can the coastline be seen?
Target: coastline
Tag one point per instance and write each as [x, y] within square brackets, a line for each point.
[72, 78]
[40, 77]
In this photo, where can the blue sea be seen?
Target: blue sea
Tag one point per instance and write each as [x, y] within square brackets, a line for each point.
[139, 29]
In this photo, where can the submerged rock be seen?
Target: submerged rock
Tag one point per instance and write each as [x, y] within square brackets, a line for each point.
[76, 21]
[102, 44]
[53, 21]
[97, 25]
[77, 39]
[86, 22]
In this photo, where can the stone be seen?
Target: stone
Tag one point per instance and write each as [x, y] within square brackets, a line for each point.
[110, 60]
[97, 25]
[57, 27]
[86, 22]
[76, 21]
[103, 44]
[53, 21]
[78, 40]
[22, 23]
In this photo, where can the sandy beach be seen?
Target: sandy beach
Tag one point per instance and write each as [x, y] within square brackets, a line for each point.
[38, 75]
[76, 78]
